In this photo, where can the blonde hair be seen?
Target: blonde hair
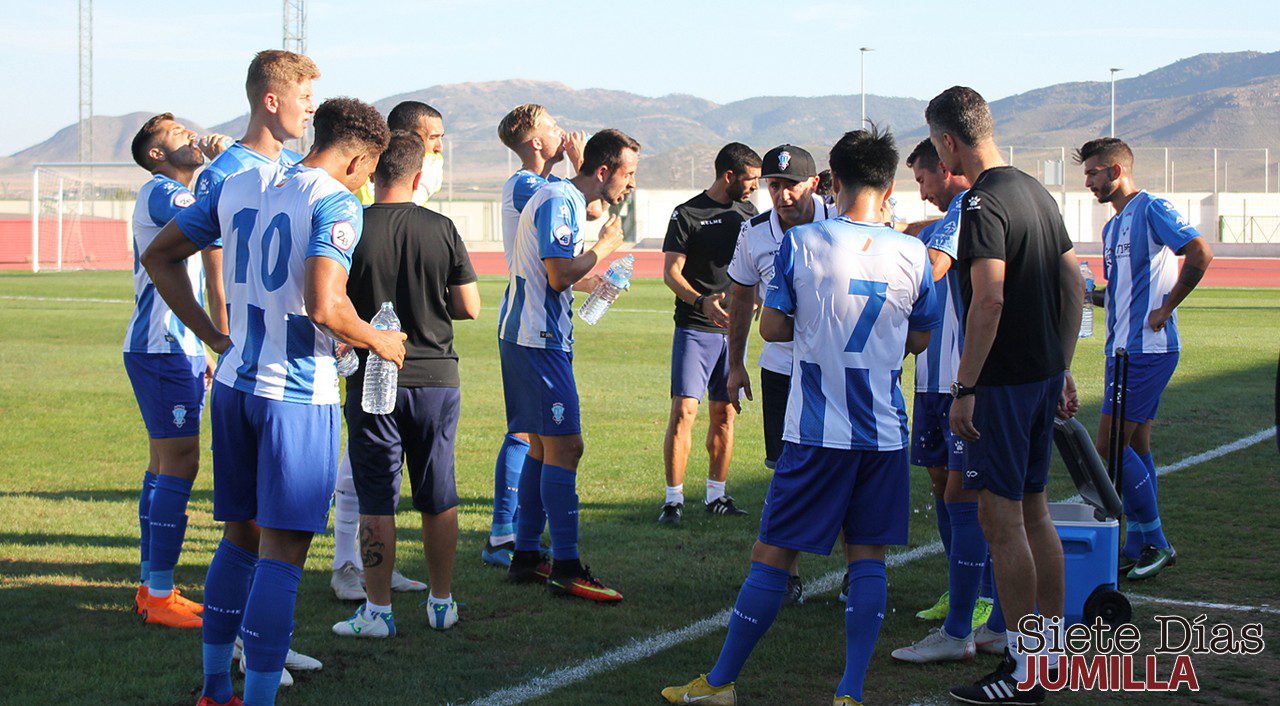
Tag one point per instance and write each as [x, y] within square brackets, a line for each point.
[519, 124]
[274, 70]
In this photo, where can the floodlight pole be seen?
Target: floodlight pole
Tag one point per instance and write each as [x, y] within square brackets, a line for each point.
[1113, 101]
[862, 70]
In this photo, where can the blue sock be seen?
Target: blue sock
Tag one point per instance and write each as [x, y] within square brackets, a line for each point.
[226, 587]
[988, 588]
[168, 527]
[1150, 462]
[144, 526]
[943, 514]
[1132, 534]
[995, 622]
[759, 601]
[863, 614]
[506, 484]
[560, 498]
[267, 628]
[531, 517]
[1141, 491]
[964, 575]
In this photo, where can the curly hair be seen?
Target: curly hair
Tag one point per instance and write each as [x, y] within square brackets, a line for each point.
[348, 123]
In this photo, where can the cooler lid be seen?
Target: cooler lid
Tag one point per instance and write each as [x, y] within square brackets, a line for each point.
[1086, 468]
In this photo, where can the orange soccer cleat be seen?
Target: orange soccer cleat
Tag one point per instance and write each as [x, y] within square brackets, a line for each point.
[169, 612]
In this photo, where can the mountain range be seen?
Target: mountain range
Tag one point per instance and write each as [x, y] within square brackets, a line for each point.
[1225, 100]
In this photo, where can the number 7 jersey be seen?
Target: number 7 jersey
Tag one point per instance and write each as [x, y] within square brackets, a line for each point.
[270, 220]
[853, 291]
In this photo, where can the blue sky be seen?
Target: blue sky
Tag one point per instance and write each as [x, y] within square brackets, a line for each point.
[192, 62]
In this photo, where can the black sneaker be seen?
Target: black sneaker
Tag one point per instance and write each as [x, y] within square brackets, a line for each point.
[1152, 561]
[671, 514]
[528, 567]
[723, 505]
[1125, 565]
[999, 687]
[795, 592]
[572, 578]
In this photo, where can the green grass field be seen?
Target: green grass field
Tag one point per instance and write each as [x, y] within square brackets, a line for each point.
[73, 449]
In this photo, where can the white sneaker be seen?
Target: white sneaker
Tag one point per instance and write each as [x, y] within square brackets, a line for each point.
[347, 583]
[403, 584]
[286, 679]
[937, 646]
[296, 661]
[988, 641]
[362, 625]
[442, 617]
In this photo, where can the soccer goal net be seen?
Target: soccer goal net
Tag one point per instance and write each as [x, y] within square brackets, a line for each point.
[81, 216]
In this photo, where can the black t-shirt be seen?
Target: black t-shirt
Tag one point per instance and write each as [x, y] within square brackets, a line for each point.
[706, 232]
[1007, 215]
[411, 256]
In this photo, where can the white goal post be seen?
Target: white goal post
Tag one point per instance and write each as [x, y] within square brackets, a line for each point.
[82, 186]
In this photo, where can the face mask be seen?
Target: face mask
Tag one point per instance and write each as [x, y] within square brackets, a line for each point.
[432, 178]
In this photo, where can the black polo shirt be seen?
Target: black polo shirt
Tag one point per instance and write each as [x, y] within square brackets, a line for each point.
[411, 256]
[1008, 215]
[706, 232]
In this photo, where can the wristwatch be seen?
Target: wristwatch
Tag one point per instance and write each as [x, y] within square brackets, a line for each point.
[697, 303]
[958, 390]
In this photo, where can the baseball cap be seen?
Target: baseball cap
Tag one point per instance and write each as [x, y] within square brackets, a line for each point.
[788, 162]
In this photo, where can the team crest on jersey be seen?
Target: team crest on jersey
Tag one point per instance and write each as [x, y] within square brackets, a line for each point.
[343, 235]
[184, 199]
[179, 415]
[557, 413]
[975, 203]
[784, 158]
[564, 234]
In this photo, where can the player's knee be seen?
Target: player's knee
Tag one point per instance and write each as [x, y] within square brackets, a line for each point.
[684, 410]
[955, 493]
[1001, 521]
[244, 534]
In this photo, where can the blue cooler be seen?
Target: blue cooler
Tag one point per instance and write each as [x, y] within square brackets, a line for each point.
[1090, 532]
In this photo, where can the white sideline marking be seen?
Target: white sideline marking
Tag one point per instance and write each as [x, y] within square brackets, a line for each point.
[1201, 604]
[89, 300]
[648, 647]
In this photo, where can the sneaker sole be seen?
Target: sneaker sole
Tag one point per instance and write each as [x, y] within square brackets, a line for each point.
[570, 592]
[1003, 703]
[1153, 574]
[966, 657]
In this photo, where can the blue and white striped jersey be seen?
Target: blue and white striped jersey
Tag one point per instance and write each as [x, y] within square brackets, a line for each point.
[271, 220]
[515, 194]
[1140, 262]
[153, 328]
[938, 365]
[853, 290]
[532, 313]
[233, 160]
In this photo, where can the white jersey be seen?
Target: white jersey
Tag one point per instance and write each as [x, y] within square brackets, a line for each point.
[153, 328]
[271, 219]
[1140, 262]
[939, 364]
[752, 266]
[533, 314]
[515, 195]
[853, 291]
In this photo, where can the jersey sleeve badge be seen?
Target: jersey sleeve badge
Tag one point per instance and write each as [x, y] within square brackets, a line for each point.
[343, 235]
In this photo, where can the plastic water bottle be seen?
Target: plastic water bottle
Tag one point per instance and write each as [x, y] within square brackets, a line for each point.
[611, 285]
[348, 363]
[381, 376]
[1086, 322]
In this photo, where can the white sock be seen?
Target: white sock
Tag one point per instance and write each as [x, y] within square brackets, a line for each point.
[346, 519]
[715, 490]
[498, 540]
[432, 600]
[370, 609]
[675, 494]
[1019, 659]
[158, 594]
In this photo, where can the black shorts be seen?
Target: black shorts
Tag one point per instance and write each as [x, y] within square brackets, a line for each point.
[417, 436]
[774, 390]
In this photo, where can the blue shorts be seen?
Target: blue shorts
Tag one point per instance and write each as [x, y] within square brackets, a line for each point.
[816, 492]
[170, 392]
[418, 437]
[932, 443]
[1149, 374]
[700, 364]
[1011, 458]
[541, 395]
[274, 462]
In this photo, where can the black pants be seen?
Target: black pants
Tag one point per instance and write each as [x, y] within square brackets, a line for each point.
[774, 389]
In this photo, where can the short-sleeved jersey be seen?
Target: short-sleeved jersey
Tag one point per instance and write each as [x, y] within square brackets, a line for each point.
[153, 328]
[271, 219]
[411, 256]
[1008, 215]
[233, 160]
[854, 290]
[752, 266]
[421, 195]
[515, 194]
[705, 231]
[937, 365]
[1140, 262]
[532, 313]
